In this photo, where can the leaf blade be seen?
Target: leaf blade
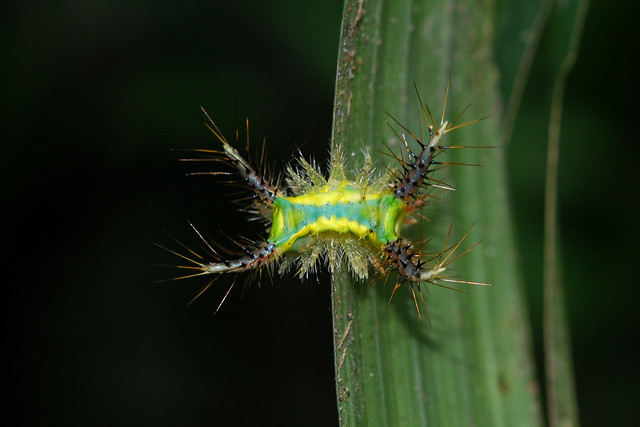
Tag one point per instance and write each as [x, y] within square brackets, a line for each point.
[392, 369]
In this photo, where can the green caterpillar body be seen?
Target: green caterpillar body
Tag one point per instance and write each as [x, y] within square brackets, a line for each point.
[358, 221]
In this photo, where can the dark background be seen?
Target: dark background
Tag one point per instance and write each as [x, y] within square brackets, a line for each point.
[95, 96]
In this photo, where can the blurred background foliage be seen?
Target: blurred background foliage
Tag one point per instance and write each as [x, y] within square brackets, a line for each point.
[96, 94]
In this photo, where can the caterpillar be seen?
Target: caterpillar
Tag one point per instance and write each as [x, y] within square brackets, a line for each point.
[332, 219]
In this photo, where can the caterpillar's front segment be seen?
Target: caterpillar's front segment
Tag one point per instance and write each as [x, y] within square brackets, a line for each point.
[264, 190]
[332, 220]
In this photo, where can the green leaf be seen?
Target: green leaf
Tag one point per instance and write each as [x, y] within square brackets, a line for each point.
[565, 27]
[473, 365]
[519, 26]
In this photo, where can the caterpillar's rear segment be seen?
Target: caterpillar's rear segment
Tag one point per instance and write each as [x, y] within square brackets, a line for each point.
[418, 169]
[415, 269]
[416, 175]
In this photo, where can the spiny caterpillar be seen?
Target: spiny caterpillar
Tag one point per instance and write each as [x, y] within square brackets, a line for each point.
[336, 219]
